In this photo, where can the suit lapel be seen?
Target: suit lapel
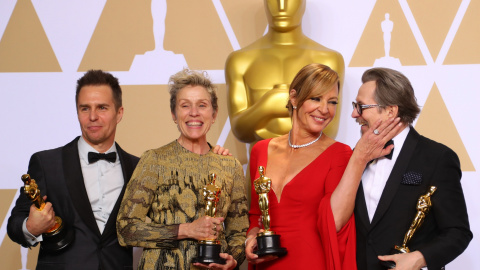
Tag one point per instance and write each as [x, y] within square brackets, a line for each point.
[76, 186]
[127, 169]
[396, 175]
[361, 207]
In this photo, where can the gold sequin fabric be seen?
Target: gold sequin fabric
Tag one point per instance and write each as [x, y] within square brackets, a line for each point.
[167, 188]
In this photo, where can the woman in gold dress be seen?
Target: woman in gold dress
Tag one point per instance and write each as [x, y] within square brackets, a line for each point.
[167, 187]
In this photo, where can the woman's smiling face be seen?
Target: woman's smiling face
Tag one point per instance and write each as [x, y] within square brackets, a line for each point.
[194, 113]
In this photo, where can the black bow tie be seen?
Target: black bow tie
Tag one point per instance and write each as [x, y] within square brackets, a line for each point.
[389, 156]
[94, 157]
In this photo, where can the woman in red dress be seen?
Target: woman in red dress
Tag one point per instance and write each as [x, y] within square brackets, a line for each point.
[314, 180]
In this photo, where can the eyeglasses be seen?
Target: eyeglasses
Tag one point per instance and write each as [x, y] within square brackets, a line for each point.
[361, 107]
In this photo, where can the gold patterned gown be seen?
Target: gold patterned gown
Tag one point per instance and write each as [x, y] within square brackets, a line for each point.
[167, 187]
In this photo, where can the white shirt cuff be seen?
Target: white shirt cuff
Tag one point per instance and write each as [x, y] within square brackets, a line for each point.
[31, 239]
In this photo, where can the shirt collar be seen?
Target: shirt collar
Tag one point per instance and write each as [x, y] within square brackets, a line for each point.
[399, 140]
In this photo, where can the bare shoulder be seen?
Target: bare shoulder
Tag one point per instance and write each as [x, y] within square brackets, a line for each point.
[278, 144]
[339, 147]
[328, 141]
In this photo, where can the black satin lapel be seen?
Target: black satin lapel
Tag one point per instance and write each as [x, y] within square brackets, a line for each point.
[128, 165]
[76, 187]
[395, 178]
[361, 212]
[127, 169]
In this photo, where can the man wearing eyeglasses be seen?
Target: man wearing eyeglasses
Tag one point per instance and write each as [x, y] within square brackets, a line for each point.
[391, 186]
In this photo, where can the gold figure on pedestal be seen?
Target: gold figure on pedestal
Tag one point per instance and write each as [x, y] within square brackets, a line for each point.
[208, 250]
[258, 76]
[33, 193]
[211, 192]
[423, 207]
[268, 242]
[57, 237]
[424, 204]
[262, 187]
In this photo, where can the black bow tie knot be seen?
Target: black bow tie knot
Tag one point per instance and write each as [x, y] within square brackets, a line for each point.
[389, 156]
[94, 157]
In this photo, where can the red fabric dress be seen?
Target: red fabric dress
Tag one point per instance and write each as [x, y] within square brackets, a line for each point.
[303, 218]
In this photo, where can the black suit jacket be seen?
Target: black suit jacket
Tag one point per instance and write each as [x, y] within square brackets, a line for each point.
[59, 176]
[445, 233]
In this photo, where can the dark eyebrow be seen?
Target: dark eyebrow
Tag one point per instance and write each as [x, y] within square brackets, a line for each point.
[97, 105]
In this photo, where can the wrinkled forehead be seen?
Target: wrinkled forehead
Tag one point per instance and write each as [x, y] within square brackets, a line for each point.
[193, 92]
[366, 93]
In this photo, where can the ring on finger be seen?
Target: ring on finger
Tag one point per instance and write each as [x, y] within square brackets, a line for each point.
[376, 132]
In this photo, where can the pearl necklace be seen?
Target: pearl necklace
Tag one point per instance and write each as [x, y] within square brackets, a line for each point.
[296, 146]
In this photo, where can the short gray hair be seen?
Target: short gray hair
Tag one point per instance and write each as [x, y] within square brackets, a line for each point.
[394, 88]
[187, 77]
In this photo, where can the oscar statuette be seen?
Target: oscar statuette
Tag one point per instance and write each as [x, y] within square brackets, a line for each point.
[57, 237]
[424, 204]
[268, 242]
[208, 250]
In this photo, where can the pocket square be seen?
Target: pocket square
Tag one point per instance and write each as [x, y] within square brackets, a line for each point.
[412, 178]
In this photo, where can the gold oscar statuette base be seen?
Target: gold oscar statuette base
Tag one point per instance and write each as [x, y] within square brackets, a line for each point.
[268, 243]
[208, 251]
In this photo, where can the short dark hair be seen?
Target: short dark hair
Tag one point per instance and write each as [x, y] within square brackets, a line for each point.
[99, 77]
[394, 88]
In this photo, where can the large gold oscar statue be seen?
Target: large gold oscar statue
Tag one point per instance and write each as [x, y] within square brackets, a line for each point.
[258, 76]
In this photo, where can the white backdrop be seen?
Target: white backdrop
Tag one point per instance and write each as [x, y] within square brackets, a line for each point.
[38, 109]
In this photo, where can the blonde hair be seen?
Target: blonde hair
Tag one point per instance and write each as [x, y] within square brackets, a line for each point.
[312, 80]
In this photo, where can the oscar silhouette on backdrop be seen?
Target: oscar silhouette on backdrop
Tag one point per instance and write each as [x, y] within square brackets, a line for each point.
[387, 60]
[258, 76]
[154, 64]
[387, 27]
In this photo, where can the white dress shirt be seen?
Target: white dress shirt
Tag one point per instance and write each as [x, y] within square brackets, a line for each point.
[103, 182]
[377, 173]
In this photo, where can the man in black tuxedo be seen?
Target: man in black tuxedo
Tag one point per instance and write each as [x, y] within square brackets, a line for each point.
[386, 201]
[84, 192]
